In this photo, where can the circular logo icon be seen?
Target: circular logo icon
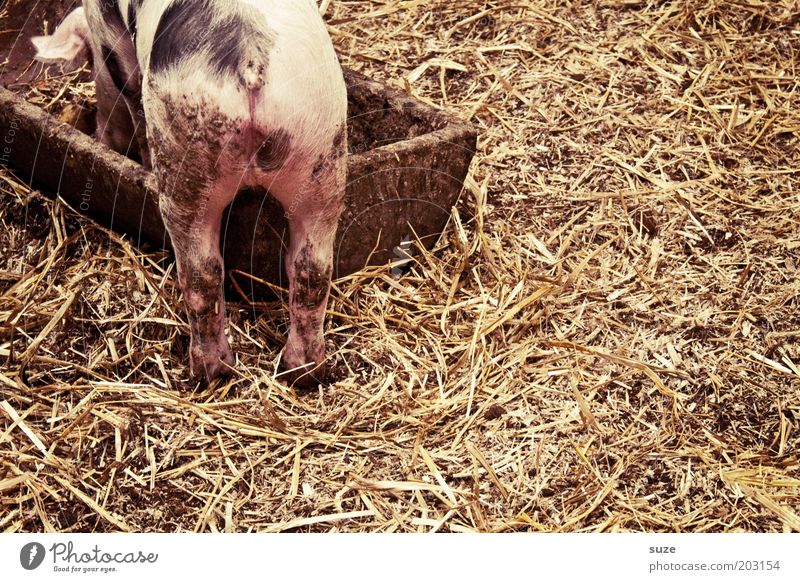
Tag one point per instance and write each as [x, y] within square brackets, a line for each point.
[31, 555]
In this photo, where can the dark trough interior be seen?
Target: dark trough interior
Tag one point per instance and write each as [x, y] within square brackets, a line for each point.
[405, 170]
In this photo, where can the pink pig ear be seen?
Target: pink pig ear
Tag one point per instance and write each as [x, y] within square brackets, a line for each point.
[67, 43]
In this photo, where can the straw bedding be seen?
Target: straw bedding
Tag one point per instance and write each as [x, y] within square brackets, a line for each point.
[606, 337]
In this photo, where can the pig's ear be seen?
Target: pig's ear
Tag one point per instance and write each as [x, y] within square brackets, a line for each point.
[67, 43]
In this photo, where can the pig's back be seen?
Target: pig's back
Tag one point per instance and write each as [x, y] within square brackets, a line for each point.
[264, 66]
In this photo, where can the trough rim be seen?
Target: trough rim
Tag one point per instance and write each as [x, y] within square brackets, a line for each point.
[455, 132]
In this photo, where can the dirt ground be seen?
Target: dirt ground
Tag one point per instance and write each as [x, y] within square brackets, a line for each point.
[604, 339]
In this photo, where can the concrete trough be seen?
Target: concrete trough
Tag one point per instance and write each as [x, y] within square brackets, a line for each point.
[406, 168]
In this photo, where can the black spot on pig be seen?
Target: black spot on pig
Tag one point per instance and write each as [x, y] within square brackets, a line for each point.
[231, 43]
[273, 151]
[112, 15]
[230, 40]
[182, 26]
[133, 9]
[127, 84]
[114, 66]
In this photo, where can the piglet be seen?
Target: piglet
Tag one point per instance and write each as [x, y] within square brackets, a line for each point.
[215, 96]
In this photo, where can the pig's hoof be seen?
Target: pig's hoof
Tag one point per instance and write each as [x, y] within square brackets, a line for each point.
[209, 364]
[304, 377]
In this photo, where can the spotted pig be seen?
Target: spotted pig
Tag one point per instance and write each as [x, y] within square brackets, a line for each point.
[215, 96]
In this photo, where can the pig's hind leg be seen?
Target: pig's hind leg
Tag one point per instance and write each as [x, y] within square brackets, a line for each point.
[193, 219]
[115, 127]
[195, 183]
[71, 43]
[313, 212]
[120, 114]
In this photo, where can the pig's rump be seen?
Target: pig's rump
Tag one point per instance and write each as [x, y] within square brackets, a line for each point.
[215, 95]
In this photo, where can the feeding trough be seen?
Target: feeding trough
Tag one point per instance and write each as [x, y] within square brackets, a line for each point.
[406, 166]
